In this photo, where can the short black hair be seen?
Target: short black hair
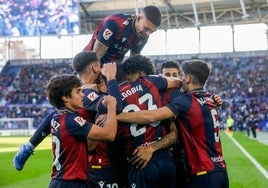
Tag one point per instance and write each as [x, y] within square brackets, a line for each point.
[198, 68]
[153, 14]
[170, 64]
[83, 59]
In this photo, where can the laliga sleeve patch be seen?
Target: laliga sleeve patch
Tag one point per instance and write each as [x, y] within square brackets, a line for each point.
[107, 34]
[92, 96]
[81, 121]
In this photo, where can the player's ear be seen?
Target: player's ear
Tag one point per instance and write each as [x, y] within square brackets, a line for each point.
[138, 18]
[96, 68]
[65, 99]
[187, 78]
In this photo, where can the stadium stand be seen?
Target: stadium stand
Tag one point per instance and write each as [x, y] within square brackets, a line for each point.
[240, 81]
[23, 85]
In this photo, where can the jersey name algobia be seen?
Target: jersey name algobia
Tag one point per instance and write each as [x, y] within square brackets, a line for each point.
[141, 95]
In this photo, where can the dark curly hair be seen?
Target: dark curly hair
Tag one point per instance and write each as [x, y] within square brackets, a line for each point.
[59, 86]
[138, 63]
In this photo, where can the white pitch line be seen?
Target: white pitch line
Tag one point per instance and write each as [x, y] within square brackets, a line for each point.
[252, 159]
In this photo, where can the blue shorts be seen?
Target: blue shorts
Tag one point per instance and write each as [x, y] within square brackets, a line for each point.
[217, 179]
[160, 172]
[103, 177]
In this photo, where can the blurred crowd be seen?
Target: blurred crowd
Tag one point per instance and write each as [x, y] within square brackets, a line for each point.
[23, 90]
[241, 82]
[38, 17]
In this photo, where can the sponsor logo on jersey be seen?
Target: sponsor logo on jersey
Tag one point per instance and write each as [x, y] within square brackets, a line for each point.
[81, 121]
[92, 96]
[217, 159]
[107, 34]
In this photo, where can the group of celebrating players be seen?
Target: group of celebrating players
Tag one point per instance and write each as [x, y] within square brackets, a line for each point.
[120, 125]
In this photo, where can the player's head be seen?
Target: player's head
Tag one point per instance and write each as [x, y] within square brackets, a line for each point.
[138, 64]
[61, 86]
[170, 69]
[86, 62]
[195, 71]
[148, 21]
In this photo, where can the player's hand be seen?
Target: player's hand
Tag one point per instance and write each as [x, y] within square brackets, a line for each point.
[109, 70]
[109, 101]
[100, 121]
[142, 155]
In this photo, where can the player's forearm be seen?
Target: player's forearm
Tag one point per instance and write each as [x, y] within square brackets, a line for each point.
[111, 123]
[100, 49]
[174, 82]
[139, 117]
[168, 139]
[165, 142]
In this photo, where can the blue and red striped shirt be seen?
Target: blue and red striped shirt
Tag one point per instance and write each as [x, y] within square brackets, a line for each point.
[69, 145]
[199, 127]
[141, 95]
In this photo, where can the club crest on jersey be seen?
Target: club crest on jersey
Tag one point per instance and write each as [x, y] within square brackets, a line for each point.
[81, 121]
[107, 34]
[92, 96]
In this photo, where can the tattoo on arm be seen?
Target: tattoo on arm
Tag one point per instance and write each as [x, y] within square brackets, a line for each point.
[100, 49]
[168, 139]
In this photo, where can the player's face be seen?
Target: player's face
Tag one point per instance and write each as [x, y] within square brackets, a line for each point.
[170, 72]
[102, 86]
[144, 27]
[76, 99]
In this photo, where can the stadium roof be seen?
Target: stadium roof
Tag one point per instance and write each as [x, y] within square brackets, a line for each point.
[178, 13]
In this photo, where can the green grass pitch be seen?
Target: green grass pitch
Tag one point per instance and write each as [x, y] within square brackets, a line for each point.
[36, 173]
